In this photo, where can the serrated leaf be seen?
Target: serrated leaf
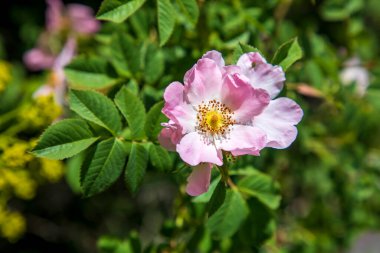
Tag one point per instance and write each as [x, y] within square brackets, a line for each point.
[287, 54]
[96, 108]
[105, 167]
[228, 218]
[118, 10]
[133, 111]
[154, 64]
[125, 54]
[154, 119]
[160, 158]
[217, 198]
[191, 9]
[261, 187]
[64, 139]
[166, 20]
[90, 72]
[88, 155]
[136, 167]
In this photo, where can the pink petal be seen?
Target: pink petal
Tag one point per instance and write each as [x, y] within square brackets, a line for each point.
[262, 74]
[203, 82]
[216, 57]
[82, 19]
[183, 115]
[245, 61]
[194, 150]
[54, 18]
[173, 95]
[170, 136]
[278, 121]
[66, 55]
[199, 179]
[177, 109]
[242, 99]
[36, 59]
[165, 139]
[243, 140]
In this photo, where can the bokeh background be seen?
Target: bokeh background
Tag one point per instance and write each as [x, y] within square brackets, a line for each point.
[329, 178]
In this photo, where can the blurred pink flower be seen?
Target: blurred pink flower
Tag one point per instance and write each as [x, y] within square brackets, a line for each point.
[354, 72]
[57, 82]
[37, 59]
[75, 18]
[73, 21]
[226, 108]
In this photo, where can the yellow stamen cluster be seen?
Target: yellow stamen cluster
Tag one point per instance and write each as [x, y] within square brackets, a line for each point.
[214, 118]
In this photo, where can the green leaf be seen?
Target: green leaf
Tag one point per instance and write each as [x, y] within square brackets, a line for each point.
[90, 72]
[166, 20]
[105, 167]
[73, 172]
[287, 54]
[160, 158]
[228, 218]
[118, 10]
[126, 54]
[96, 108]
[217, 198]
[133, 111]
[191, 9]
[64, 139]
[261, 187]
[154, 119]
[136, 167]
[259, 226]
[154, 64]
[88, 155]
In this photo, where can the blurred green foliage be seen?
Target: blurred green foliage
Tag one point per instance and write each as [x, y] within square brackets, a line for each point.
[315, 196]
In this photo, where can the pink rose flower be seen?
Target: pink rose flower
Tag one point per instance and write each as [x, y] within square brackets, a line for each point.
[226, 108]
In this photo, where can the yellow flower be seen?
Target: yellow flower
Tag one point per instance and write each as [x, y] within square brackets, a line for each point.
[43, 111]
[17, 155]
[14, 226]
[5, 74]
[22, 184]
[52, 170]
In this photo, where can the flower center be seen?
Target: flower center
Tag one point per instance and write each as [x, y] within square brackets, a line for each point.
[214, 118]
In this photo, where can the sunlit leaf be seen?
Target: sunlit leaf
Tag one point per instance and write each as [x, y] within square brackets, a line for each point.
[118, 10]
[96, 108]
[287, 54]
[64, 139]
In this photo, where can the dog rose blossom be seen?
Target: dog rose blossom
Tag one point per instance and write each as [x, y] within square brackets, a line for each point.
[226, 108]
